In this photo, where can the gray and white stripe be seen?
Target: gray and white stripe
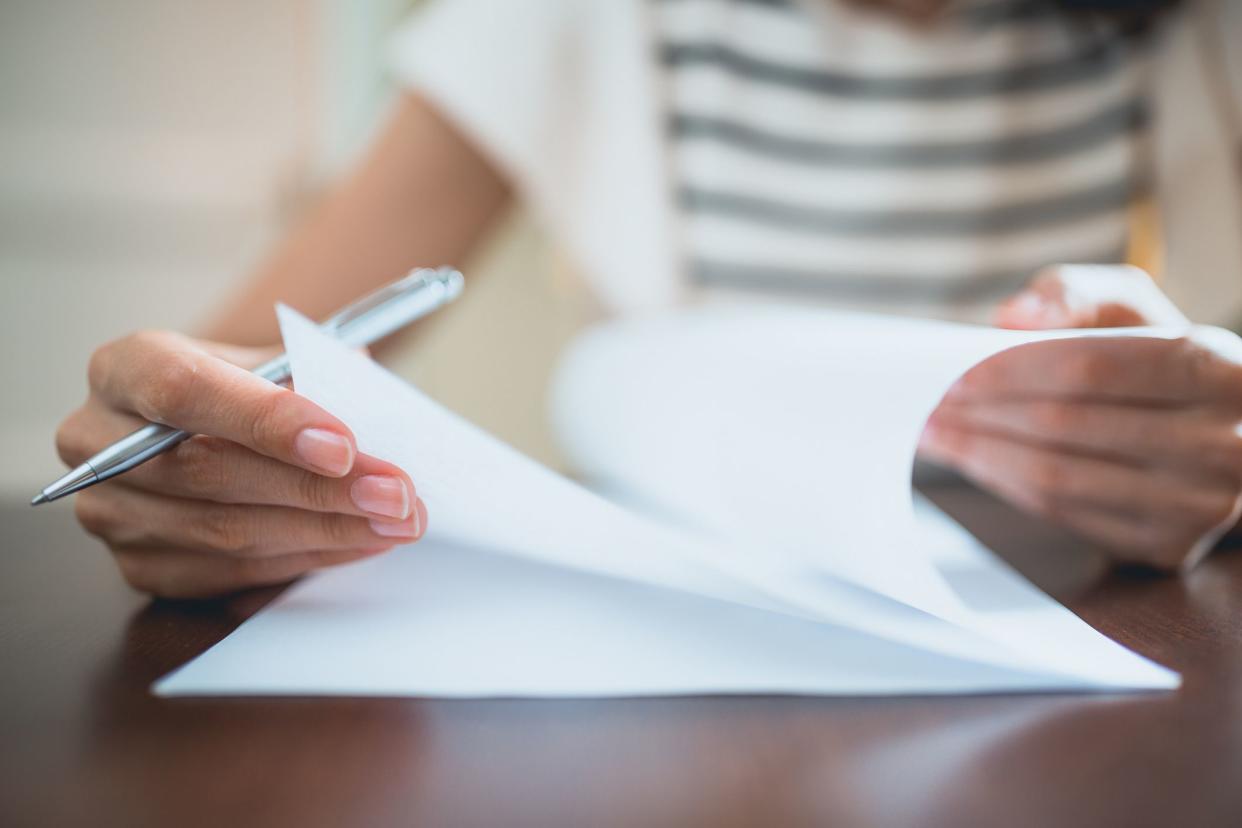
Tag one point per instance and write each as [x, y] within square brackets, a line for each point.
[821, 150]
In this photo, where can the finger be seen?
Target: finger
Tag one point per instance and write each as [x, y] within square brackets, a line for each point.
[90, 428]
[1129, 540]
[1054, 483]
[1195, 440]
[187, 573]
[1146, 370]
[1173, 531]
[1039, 306]
[1032, 311]
[209, 468]
[126, 517]
[180, 384]
[1089, 296]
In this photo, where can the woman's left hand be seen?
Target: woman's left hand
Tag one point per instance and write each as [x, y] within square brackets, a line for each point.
[1134, 443]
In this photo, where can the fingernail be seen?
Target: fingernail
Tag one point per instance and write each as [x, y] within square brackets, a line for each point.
[382, 495]
[326, 450]
[405, 529]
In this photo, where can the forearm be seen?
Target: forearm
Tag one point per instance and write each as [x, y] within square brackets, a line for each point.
[422, 196]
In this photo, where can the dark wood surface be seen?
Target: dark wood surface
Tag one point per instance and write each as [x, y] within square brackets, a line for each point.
[82, 742]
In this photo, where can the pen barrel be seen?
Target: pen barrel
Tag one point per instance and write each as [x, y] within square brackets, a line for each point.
[135, 449]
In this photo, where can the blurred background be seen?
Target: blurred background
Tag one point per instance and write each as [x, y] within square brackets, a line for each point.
[150, 151]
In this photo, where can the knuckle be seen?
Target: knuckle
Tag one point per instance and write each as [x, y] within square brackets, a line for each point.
[265, 419]
[168, 393]
[336, 530]
[1058, 418]
[1091, 367]
[222, 528]
[105, 357]
[316, 493]
[202, 464]
[124, 350]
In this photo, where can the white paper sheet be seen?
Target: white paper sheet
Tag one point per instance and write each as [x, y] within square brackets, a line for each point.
[440, 620]
[529, 585]
[793, 431]
[791, 428]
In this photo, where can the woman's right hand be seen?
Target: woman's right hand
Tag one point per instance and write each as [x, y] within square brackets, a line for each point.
[270, 487]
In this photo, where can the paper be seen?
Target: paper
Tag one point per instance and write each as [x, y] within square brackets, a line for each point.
[530, 585]
[794, 430]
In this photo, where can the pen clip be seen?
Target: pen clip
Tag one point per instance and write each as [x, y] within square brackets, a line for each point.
[416, 280]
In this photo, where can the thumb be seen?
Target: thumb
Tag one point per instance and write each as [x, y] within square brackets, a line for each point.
[1033, 310]
[1089, 296]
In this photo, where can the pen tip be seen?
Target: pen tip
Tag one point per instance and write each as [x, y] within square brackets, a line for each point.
[37, 499]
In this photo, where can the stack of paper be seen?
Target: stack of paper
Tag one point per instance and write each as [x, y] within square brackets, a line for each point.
[777, 445]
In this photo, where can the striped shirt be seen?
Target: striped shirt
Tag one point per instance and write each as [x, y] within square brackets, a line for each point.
[823, 151]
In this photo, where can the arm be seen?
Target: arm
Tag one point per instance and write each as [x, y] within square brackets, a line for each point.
[422, 196]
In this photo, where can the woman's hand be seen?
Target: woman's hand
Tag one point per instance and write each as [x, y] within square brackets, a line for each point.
[270, 488]
[1134, 443]
[1089, 296]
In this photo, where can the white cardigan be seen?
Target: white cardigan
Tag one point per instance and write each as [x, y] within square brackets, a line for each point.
[564, 97]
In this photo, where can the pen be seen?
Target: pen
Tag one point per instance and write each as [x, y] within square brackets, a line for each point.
[369, 319]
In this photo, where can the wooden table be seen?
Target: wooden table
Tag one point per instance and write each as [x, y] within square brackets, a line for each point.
[82, 742]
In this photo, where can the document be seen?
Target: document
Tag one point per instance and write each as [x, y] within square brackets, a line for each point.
[771, 543]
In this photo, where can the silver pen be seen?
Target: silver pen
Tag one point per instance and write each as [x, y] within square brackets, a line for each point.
[369, 319]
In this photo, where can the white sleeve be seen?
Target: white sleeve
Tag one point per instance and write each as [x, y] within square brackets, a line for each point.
[559, 95]
[496, 69]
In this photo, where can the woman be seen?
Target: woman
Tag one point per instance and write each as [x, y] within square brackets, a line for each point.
[912, 156]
